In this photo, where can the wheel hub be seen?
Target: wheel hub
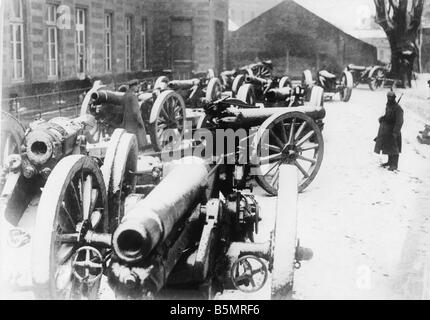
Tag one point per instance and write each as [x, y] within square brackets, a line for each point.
[87, 265]
[290, 153]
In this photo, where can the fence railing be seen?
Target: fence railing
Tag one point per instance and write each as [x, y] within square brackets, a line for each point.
[62, 103]
[50, 105]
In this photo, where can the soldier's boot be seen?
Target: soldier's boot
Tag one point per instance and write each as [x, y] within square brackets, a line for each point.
[394, 162]
[385, 165]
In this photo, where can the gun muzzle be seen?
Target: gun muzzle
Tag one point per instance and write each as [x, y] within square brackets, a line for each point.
[152, 219]
[256, 80]
[106, 96]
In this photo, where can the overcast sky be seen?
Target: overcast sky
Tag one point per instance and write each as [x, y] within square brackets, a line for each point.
[345, 14]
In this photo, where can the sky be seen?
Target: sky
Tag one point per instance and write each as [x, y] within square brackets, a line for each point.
[345, 14]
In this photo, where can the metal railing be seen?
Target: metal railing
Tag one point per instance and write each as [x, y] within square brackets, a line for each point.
[50, 105]
[62, 103]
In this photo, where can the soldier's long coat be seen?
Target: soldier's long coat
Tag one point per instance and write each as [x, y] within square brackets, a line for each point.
[132, 120]
[389, 139]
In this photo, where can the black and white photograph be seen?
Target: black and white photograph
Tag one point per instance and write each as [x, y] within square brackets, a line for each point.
[215, 150]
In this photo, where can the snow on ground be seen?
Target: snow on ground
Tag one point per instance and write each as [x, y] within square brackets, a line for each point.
[368, 227]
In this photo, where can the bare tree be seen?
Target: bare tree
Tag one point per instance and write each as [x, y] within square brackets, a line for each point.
[401, 21]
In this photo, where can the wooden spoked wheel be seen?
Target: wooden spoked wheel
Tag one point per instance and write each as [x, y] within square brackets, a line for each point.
[167, 121]
[210, 74]
[347, 83]
[307, 80]
[284, 236]
[317, 97]
[119, 167]
[287, 138]
[161, 83]
[377, 78]
[12, 134]
[261, 71]
[87, 102]
[237, 83]
[213, 90]
[285, 82]
[246, 94]
[73, 204]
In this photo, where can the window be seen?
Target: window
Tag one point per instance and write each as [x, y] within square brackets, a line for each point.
[182, 40]
[80, 41]
[144, 45]
[108, 41]
[51, 22]
[17, 40]
[182, 48]
[128, 27]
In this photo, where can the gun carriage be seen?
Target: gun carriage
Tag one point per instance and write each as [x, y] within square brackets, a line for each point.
[275, 92]
[94, 216]
[233, 79]
[12, 133]
[283, 135]
[196, 240]
[331, 84]
[374, 76]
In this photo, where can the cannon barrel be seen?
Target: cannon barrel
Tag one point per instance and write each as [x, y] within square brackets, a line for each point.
[183, 84]
[256, 80]
[106, 96]
[47, 142]
[152, 219]
[255, 117]
[279, 94]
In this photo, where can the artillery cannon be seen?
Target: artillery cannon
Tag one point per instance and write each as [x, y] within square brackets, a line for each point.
[330, 83]
[276, 136]
[155, 251]
[275, 92]
[197, 239]
[233, 79]
[159, 110]
[45, 145]
[195, 91]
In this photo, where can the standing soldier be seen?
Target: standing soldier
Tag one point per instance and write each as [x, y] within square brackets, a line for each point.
[389, 139]
[132, 121]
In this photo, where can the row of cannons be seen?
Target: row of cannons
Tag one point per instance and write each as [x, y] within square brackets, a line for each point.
[84, 205]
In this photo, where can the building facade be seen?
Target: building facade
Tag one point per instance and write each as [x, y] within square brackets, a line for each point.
[61, 44]
[243, 11]
[296, 39]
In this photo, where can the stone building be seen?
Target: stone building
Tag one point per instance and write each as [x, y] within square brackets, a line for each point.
[243, 11]
[54, 45]
[296, 39]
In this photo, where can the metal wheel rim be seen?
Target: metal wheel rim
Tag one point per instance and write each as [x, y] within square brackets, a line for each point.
[295, 148]
[214, 90]
[71, 195]
[10, 147]
[55, 248]
[170, 119]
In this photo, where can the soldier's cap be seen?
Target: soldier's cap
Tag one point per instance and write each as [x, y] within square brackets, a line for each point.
[133, 82]
[391, 94]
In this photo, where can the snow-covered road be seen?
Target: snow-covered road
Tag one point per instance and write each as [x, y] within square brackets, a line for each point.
[369, 228]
